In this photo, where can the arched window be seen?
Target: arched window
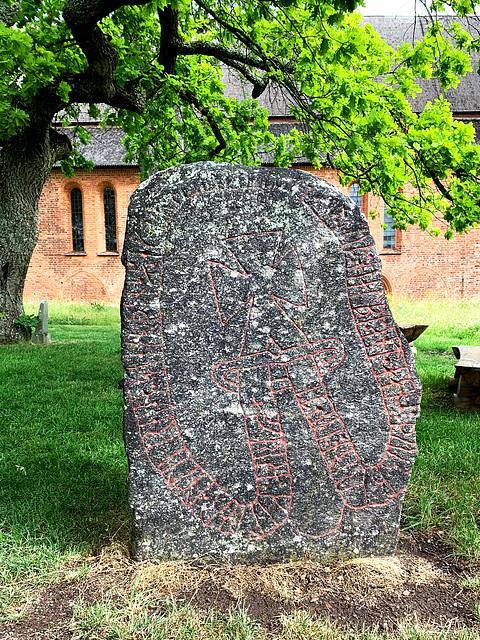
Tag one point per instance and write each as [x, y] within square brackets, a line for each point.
[77, 219]
[110, 219]
[356, 195]
[388, 231]
[387, 286]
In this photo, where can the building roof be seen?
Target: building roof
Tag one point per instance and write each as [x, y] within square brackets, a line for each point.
[466, 97]
[105, 148]
[395, 31]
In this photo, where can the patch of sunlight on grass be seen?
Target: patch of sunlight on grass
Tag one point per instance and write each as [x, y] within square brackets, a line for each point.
[78, 313]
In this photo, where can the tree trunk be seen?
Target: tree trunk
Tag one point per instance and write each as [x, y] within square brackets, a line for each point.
[25, 163]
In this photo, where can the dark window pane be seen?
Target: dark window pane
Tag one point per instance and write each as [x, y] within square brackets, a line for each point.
[355, 195]
[389, 232]
[77, 220]
[110, 222]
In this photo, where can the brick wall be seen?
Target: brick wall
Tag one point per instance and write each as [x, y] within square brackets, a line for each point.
[418, 265]
[56, 271]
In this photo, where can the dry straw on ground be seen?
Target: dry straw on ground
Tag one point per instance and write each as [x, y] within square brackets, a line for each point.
[294, 582]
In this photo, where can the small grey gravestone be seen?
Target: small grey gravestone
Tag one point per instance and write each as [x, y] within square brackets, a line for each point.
[41, 334]
[270, 400]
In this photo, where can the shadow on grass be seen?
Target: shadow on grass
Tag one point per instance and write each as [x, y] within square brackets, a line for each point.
[63, 472]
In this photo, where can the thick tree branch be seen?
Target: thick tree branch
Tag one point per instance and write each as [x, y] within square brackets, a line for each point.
[219, 51]
[96, 83]
[169, 37]
[189, 97]
[61, 145]
[259, 84]
[232, 59]
[85, 14]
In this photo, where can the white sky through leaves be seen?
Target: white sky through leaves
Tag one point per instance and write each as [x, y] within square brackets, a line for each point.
[391, 8]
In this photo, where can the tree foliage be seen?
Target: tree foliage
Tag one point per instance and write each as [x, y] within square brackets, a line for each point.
[158, 66]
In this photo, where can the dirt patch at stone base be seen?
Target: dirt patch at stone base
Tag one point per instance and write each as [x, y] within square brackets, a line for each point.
[51, 609]
[422, 582]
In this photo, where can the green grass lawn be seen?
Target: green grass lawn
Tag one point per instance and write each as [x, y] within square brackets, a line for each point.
[444, 492]
[63, 472]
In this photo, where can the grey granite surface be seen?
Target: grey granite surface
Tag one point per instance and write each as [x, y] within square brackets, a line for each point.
[270, 400]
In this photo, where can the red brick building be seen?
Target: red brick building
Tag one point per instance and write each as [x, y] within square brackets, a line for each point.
[82, 219]
[82, 224]
[416, 264]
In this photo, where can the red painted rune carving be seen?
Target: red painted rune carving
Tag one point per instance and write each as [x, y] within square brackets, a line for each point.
[277, 377]
[285, 359]
[281, 357]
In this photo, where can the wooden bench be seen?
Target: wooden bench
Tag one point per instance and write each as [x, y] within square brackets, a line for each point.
[466, 381]
[411, 333]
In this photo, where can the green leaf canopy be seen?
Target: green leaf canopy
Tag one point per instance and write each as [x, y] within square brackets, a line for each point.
[158, 71]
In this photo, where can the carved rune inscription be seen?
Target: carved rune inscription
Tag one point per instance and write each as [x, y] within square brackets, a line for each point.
[266, 382]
